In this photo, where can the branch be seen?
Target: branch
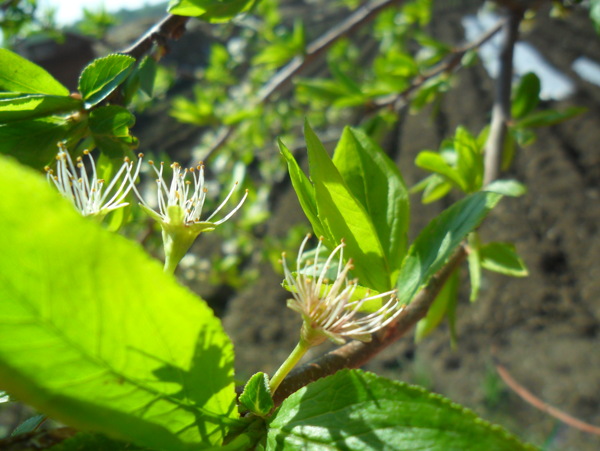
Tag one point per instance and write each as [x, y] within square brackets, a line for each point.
[501, 109]
[171, 27]
[356, 353]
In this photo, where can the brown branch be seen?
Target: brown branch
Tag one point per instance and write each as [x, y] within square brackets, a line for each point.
[530, 398]
[501, 110]
[356, 353]
[171, 27]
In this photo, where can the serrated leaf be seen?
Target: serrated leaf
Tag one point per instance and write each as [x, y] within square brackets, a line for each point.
[510, 188]
[256, 396]
[443, 305]
[550, 117]
[503, 258]
[34, 142]
[33, 106]
[102, 76]
[356, 410]
[304, 190]
[210, 10]
[526, 96]
[436, 242]
[18, 74]
[104, 340]
[377, 184]
[344, 218]
[110, 129]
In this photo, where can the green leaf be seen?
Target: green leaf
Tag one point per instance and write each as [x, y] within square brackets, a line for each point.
[474, 259]
[210, 10]
[470, 159]
[20, 75]
[436, 188]
[434, 162]
[503, 258]
[356, 410]
[34, 142]
[510, 188]
[110, 129]
[444, 302]
[343, 217]
[102, 76]
[304, 190]
[32, 106]
[550, 117]
[84, 441]
[436, 242]
[526, 96]
[256, 396]
[595, 14]
[377, 184]
[29, 425]
[104, 340]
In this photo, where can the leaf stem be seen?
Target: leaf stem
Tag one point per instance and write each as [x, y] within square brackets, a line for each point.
[301, 348]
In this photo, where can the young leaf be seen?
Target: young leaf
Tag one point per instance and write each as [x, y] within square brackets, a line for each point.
[343, 217]
[95, 334]
[256, 396]
[550, 117]
[510, 188]
[434, 162]
[102, 76]
[377, 184]
[20, 75]
[436, 242]
[526, 96]
[358, 410]
[503, 258]
[470, 159]
[474, 259]
[32, 106]
[210, 10]
[444, 303]
[110, 129]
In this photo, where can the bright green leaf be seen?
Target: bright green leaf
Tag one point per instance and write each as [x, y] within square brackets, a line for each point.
[510, 188]
[32, 106]
[104, 340]
[550, 117]
[436, 188]
[110, 129]
[210, 10]
[444, 302]
[434, 162]
[503, 258]
[377, 184]
[102, 76]
[343, 217]
[526, 96]
[256, 396]
[356, 410]
[470, 159]
[20, 75]
[436, 242]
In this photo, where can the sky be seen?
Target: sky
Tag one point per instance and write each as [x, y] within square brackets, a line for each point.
[71, 11]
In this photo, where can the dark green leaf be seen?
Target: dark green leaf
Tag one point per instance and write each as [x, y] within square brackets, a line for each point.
[210, 10]
[102, 76]
[444, 303]
[104, 340]
[377, 184]
[355, 410]
[550, 117]
[85, 441]
[503, 258]
[34, 142]
[304, 190]
[33, 106]
[256, 396]
[20, 75]
[110, 129]
[436, 242]
[526, 96]
[344, 218]
[147, 74]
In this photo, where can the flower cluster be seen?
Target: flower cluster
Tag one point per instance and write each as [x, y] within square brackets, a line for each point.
[330, 310]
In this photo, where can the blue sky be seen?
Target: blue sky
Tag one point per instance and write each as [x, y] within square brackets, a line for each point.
[70, 11]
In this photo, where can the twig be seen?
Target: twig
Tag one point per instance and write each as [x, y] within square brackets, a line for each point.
[171, 27]
[356, 353]
[530, 398]
[501, 110]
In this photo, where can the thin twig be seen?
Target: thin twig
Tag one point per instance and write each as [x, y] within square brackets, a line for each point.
[501, 110]
[171, 27]
[529, 397]
[356, 353]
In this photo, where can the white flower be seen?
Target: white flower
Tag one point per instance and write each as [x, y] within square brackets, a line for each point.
[327, 308]
[86, 191]
[180, 203]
